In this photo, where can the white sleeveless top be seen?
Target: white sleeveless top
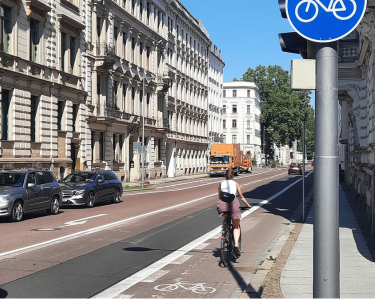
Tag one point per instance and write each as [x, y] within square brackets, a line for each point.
[229, 186]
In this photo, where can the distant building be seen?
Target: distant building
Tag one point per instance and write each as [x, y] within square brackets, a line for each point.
[286, 155]
[241, 116]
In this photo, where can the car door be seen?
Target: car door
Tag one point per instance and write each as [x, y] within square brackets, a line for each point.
[34, 193]
[100, 187]
[46, 188]
[109, 178]
[55, 188]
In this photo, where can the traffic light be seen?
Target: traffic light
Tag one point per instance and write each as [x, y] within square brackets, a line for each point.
[291, 42]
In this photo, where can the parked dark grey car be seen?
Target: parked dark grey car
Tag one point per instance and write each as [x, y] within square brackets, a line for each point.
[23, 191]
[86, 188]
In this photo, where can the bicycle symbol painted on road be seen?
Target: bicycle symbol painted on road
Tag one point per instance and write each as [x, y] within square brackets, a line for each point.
[335, 6]
[198, 288]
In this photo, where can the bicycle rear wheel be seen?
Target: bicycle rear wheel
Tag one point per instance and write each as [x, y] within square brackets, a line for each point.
[225, 249]
[239, 243]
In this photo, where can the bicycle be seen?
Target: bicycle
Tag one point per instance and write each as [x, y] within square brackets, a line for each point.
[332, 7]
[227, 239]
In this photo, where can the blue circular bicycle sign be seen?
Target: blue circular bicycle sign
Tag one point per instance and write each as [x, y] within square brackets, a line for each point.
[325, 20]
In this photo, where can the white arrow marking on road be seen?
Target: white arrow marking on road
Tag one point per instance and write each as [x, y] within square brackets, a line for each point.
[80, 221]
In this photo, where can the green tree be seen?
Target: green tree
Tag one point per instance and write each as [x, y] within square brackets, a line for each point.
[309, 134]
[282, 109]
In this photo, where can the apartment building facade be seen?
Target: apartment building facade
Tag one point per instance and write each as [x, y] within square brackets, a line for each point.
[241, 116]
[82, 79]
[187, 63]
[215, 95]
[357, 110]
[42, 84]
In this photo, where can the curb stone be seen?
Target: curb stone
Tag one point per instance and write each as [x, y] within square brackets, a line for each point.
[255, 287]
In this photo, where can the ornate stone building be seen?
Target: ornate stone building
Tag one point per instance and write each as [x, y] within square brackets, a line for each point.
[43, 73]
[357, 109]
[81, 79]
[187, 64]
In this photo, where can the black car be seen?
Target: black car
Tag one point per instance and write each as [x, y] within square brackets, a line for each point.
[86, 188]
[24, 191]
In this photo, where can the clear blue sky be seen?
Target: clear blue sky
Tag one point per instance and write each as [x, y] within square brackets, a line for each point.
[246, 31]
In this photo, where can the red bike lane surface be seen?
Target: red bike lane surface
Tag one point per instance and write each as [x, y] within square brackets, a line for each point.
[24, 233]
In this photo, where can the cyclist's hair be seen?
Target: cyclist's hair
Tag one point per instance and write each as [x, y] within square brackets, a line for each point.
[229, 174]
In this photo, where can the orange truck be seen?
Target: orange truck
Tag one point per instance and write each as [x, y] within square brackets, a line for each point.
[224, 156]
[246, 163]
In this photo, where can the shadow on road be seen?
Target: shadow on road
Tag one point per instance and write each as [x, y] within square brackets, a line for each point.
[3, 293]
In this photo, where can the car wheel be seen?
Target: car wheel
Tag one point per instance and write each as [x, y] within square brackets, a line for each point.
[54, 206]
[116, 197]
[90, 201]
[17, 212]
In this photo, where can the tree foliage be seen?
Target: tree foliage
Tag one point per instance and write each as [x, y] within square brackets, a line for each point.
[282, 110]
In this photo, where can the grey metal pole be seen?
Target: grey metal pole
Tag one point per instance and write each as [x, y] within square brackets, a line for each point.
[303, 172]
[372, 201]
[143, 129]
[264, 143]
[326, 254]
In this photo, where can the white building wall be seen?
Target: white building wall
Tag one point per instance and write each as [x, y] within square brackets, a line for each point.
[245, 96]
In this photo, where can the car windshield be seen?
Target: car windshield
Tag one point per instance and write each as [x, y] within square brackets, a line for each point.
[11, 179]
[219, 159]
[80, 177]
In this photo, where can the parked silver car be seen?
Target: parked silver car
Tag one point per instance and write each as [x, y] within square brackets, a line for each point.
[23, 191]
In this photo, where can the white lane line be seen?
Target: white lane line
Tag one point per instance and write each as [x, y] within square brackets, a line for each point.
[193, 187]
[211, 179]
[29, 248]
[127, 283]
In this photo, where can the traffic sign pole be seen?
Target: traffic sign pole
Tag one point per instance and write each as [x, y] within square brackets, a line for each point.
[322, 23]
[326, 249]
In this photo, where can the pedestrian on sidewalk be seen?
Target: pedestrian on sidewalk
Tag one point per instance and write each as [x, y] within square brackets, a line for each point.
[228, 189]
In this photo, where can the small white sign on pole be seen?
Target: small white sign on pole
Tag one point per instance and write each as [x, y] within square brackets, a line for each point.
[303, 74]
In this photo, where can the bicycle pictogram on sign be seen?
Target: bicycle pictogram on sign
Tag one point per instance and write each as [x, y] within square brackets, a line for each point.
[335, 6]
[325, 20]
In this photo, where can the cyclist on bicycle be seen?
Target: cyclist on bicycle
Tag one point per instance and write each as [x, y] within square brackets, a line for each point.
[228, 202]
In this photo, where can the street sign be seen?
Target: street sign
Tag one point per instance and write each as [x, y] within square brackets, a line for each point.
[137, 148]
[325, 21]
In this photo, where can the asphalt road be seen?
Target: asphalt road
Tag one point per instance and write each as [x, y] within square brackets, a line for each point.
[158, 243]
